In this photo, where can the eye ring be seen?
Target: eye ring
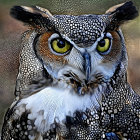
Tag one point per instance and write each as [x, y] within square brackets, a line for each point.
[104, 46]
[60, 46]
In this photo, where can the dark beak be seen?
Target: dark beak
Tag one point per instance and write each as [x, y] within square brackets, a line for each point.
[87, 65]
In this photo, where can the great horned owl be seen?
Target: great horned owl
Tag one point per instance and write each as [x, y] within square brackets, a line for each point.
[72, 81]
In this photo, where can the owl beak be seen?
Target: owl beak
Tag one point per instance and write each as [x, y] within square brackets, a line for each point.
[87, 65]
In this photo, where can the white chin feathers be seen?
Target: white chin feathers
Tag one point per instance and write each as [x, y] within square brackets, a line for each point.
[54, 104]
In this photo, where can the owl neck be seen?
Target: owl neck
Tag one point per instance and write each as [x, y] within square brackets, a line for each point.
[118, 81]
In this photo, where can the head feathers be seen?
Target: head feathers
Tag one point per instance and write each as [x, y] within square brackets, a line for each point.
[120, 13]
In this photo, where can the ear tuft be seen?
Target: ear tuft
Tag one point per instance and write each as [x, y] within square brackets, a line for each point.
[35, 15]
[120, 13]
[24, 14]
[126, 12]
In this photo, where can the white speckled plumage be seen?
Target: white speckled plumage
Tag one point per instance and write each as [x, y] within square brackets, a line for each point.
[72, 80]
[55, 103]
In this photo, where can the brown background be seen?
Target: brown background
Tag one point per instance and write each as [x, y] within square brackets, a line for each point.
[10, 33]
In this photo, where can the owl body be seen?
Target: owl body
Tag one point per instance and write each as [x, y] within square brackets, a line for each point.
[72, 81]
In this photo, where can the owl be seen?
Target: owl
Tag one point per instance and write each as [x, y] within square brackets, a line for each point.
[72, 79]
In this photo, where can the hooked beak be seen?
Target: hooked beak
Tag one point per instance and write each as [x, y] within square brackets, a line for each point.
[87, 65]
[82, 86]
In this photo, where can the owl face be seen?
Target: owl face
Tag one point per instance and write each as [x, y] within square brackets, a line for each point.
[82, 66]
[82, 51]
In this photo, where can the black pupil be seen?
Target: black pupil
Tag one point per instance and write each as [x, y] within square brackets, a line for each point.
[61, 43]
[102, 43]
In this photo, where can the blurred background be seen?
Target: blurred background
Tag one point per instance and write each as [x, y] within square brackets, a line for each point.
[11, 30]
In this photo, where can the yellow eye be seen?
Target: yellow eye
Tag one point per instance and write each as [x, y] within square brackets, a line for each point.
[103, 45]
[60, 46]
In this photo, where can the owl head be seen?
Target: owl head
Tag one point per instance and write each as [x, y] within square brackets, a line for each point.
[83, 51]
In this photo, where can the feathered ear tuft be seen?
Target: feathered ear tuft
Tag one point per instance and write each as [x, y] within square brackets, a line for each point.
[126, 12]
[35, 16]
[121, 13]
[24, 15]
